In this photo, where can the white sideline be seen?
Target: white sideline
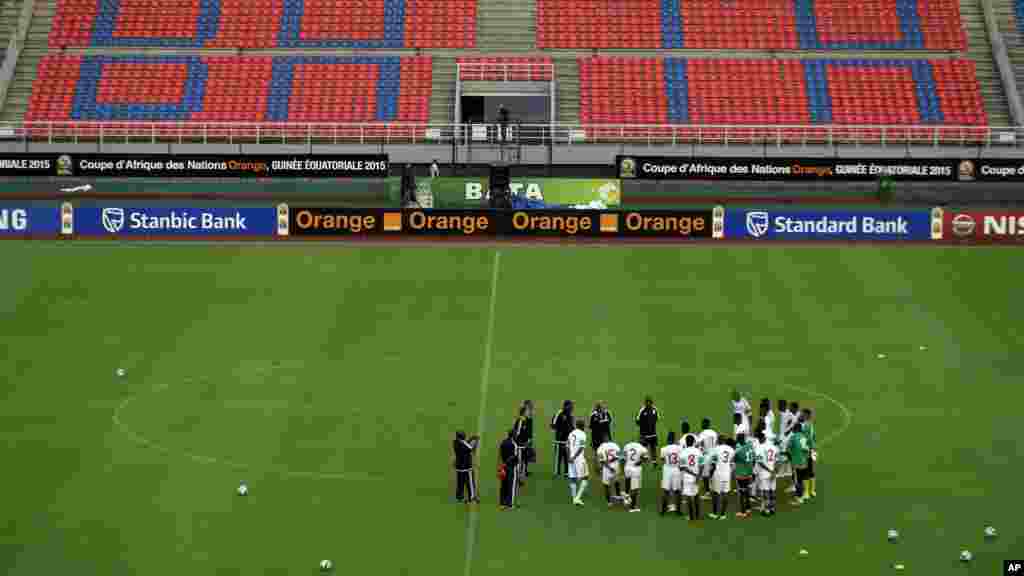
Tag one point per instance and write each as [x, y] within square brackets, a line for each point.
[485, 377]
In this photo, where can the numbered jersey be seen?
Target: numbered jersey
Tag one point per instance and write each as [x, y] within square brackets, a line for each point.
[635, 453]
[708, 440]
[767, 457]
[692, 461]
[723, 461]
[671, 455]
[609, 454]
[577, 443]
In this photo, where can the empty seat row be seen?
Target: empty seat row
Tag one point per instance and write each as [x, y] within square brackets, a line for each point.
[231, 89]
[266, 24]
[751, 24]
[779, 92]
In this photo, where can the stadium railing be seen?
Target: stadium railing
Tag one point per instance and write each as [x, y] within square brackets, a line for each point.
[529, 134]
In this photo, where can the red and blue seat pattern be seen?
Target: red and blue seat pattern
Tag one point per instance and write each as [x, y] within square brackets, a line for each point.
[751, 24]
[779, 92]
[285, 89]
[363, 24]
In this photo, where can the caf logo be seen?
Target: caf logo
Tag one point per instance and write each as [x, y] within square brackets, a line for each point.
[627, 168]
[966, 170]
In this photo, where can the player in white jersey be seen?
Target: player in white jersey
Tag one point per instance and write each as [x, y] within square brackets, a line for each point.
[784, 470]
[609, 456]
[578, 470]
[790, 420]
[692, 461]
[721, 479]
[671, 476]
[739, 426]
[764, 470]
[741, 406]
[707, 440]
[685, 428]
[635, 454]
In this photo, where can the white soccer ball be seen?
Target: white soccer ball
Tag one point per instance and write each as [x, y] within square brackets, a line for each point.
[325, 565]
[121, 372]
[804, 553]
[893, 535]
[899, 567]
[990, 532]
[243, 489]
[966, 556]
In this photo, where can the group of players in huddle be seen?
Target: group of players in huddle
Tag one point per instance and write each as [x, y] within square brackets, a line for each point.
[781, 445]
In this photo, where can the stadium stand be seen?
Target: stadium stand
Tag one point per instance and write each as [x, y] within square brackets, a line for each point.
[638, 91]
[751, 25]
[359, 24]
[302, 89]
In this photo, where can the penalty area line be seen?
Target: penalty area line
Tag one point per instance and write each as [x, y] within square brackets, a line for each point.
[485, 377]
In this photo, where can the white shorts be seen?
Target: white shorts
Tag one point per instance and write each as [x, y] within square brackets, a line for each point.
[579, 470]
[719, 486]
[671, 479]
[609, 475]
[634, 474]
[765, 483]
[689, 486]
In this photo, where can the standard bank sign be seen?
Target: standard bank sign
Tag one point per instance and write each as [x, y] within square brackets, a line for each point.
[160, 221]
[819, 225]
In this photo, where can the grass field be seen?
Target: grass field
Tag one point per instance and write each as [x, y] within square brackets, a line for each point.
[331, 379]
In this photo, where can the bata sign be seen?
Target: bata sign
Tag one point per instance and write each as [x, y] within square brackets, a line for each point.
[993, 226]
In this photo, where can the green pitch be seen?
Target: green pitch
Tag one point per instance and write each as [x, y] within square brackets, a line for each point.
[331, 380]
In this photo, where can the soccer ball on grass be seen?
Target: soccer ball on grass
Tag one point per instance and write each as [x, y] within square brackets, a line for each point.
[990, 532]
[325, 565]
[893, 535]
[243, 489]
[966, 556]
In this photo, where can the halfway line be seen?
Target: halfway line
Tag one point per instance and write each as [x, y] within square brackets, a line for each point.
[485, 377]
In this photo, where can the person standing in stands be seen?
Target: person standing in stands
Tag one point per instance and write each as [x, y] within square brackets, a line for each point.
[502, 122]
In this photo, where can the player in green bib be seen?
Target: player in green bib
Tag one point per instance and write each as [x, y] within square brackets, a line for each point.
[799, 454]
[744, 460]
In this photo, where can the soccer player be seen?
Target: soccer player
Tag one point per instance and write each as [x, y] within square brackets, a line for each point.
[785, 470]
[807, 425]
[600, 425]
[647, 420]
[721, 464]
[707, 440]
[790, 421]
[608, 457]
[635, 453]
[465, 479]
[744, 460]
[741, 406]
[692, 461]
[508, 466]
[578, 470]
[685, 433]
[798, 456]
[561, 423]
[766, 459]
[671, 476]
[739, 425]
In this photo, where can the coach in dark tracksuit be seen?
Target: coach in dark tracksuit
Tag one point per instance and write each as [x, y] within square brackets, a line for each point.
[465, 478]
[647, 420]
[563, 425]
[600, 426]
[509, 454]
[524, 438]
